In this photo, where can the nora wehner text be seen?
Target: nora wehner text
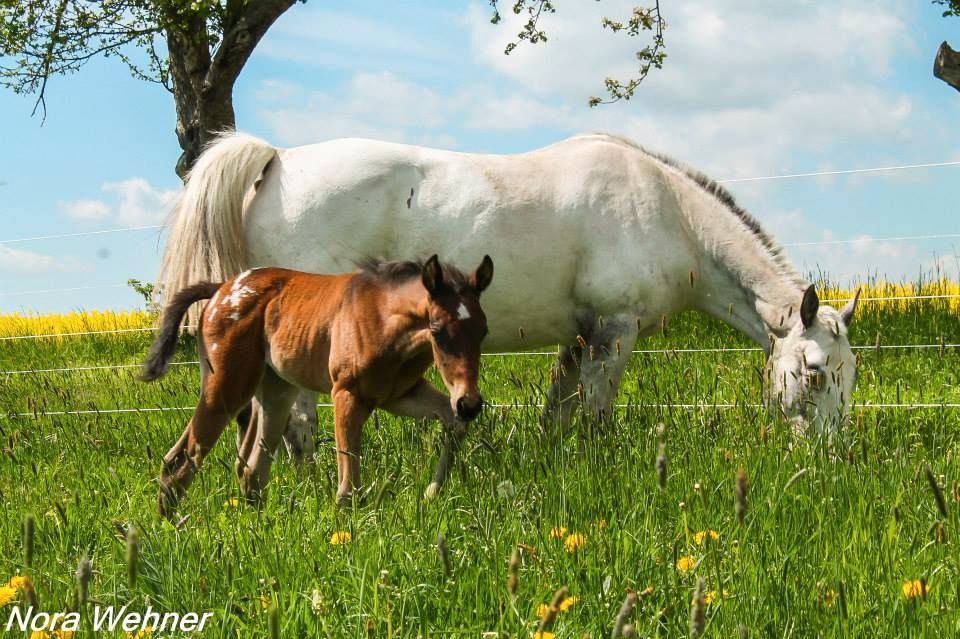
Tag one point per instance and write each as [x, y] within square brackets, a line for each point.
[107, 619]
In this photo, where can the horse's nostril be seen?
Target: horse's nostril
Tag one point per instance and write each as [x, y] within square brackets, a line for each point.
[467, 410]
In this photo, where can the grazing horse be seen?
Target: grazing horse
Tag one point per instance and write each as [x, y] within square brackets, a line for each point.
[597, 240]
[365, 337]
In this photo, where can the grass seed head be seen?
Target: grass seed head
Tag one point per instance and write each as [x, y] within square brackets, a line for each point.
[740, 495]
[661, 466]
[513, 572]
[84, 574]
[133, 555]
[550, 614]
[28, 530]
[937, 494]
[444, 554]
[620, 623]
[698, 611]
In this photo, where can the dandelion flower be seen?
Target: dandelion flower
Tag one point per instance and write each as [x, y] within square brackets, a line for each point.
[543, 634]
[574, 542]
[233, 502]
[711, 596]
[602, 524]
[701, 536]
[686, 563]
[558, 532]
[17, 582]
[568, 603]
[829, 596]
[340, 537]
[913, 588]
[7, 594]
[264, 602]
[542, 609]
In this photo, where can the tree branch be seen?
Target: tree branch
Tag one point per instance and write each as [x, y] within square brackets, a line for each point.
[47, 59]
[946, 66]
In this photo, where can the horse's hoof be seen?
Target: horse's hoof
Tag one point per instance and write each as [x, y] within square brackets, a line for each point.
[344, 498]
[432, 491]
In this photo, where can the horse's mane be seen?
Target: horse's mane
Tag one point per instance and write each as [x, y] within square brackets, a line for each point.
[711, 186]
[397, 272]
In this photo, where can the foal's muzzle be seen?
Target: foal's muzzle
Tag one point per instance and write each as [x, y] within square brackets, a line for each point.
[467, 409]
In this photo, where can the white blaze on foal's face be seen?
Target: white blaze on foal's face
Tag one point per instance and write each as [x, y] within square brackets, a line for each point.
[462, 312]
[811, 371]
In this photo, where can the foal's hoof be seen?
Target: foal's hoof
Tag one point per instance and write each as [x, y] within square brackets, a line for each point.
[345, 498]
[432, 491]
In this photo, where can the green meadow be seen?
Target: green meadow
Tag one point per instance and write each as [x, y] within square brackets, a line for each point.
[835, 532]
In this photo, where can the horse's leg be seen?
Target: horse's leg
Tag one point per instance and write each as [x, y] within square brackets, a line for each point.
[426, 402]
[609, 344]
[218, 403]
[562, 395]
[301, 428]
[274, 396]
[349, 415]
[246, 436]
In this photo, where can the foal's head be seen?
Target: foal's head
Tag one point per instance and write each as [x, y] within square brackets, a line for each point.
[457, 326]
[812, 370]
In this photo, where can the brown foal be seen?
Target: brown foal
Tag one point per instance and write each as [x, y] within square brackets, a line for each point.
[366, 338]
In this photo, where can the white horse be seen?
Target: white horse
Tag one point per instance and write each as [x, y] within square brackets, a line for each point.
[597, 242]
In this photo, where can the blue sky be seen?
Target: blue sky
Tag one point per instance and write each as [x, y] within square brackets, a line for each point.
[748, 89]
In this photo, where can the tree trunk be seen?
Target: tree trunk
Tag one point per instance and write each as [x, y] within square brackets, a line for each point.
[203, 81]
[946, 66]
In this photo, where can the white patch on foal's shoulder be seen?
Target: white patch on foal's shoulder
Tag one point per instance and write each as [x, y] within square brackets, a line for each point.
[462, 312]
[213, 347]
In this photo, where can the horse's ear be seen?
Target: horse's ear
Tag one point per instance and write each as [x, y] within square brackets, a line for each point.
[432, 275]
[483, 275]
[846, 314]
[809, 306]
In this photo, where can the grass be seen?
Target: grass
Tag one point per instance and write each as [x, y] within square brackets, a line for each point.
[832, 530]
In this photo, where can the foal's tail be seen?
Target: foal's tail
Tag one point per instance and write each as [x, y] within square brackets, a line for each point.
[205, 240]
[166, 342]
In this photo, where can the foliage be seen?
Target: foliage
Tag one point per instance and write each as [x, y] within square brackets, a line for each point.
[641, 20]
[841, 536]
[952, 7]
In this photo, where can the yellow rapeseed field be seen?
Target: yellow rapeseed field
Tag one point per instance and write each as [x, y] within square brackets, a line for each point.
[79, 322]
[904, 298]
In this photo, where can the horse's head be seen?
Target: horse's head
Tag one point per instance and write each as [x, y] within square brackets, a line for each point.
[457, 327]
[811, 370]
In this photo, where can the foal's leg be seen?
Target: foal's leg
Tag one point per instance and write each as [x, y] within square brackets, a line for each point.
[274, 397]
[609, 345]
[350, 412]
[562, 395]
[218, 403]
[426, 402]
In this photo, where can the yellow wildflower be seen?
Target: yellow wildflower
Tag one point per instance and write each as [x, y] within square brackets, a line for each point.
[7, 594]
[709, 597]
[146, 632]
[704, 534]
[574, 542]
[913, 588]
[340, 537]
[542, 609]
[264, 602]
[543, 634]
[686, 563]
[829, 596]
[17, 582]
[568, 603]
[602, 524]
[233, 502]
[558, 532]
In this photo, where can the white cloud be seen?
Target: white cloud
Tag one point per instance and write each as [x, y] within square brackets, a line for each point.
[140, 203]
[135, 202]
[29, 262]
[85, 210]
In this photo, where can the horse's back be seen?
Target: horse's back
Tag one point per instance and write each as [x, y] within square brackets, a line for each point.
[572, 225]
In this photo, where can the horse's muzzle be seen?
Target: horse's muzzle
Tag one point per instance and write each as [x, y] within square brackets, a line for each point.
[469, 408]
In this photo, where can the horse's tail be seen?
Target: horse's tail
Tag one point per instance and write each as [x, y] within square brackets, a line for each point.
[205, 240]
[166, 342]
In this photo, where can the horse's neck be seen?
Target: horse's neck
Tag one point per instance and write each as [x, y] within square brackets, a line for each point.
[747, 285]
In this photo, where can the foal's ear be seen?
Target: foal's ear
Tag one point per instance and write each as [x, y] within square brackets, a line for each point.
[482, 276]
[809, 306]
[432, 275]
[846, 313]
